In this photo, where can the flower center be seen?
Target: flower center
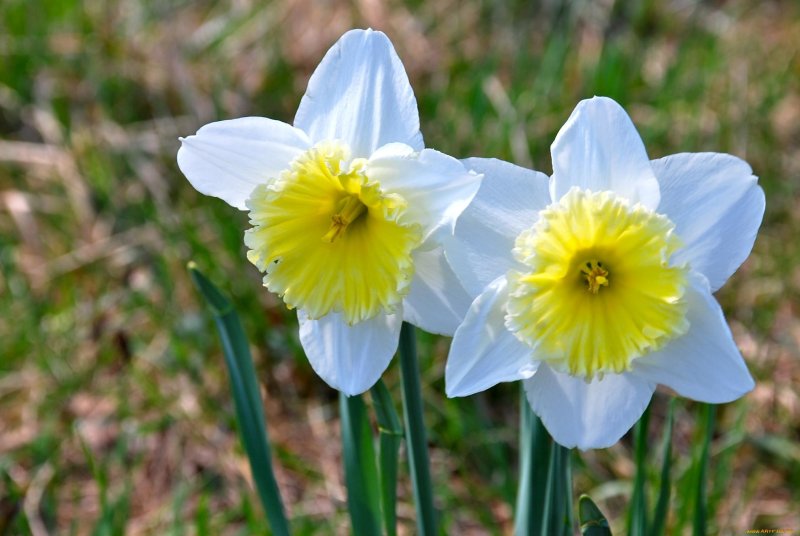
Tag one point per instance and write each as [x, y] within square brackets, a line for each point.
[328, 238]
[565, 305]
[348, 210]
[596, 276]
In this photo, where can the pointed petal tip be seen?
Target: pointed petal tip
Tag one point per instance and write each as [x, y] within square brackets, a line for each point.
[600, 100]
[360, 94]
[599, 148]
[746, 385]
[351, 359]
[717, 206]
[458, 387]
[228, 159]
[369, 33]
[454, 384]
[353, 390]
[587, 416]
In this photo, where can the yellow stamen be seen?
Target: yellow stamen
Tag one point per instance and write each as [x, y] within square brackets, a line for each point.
[348, 210]
[596, 276]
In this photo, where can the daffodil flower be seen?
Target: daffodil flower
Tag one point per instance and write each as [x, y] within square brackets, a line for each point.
[348, 209]
[596, 285]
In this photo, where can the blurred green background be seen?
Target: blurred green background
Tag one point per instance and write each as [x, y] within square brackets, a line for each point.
[115, 414]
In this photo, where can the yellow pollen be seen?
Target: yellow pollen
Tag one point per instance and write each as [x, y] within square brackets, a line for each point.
[329, 239]
[596, 276]
[348, 210]
[563, 303]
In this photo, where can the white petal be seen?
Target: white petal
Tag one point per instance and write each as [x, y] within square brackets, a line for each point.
[508, 201]
[360, 94]
[599, 149]
[350, 358]
[436, 301]
[436, 187]
[716, 205]
[704, 364]
[591, 415]
[484, 353]
[227, 159]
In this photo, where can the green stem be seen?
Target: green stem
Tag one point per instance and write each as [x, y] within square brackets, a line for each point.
[363, 488]
[554, 517]
[563, 491]
[637, 519]
[662, 506]
[391, 436]
[569, 515]
[534, 446]
[417, 443]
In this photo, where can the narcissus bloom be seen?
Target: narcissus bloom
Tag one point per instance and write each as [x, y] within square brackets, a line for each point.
[348, 209]
[595, 285]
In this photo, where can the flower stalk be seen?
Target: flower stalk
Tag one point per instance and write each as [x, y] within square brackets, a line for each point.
[637, 513]
[416, 439]
[534, 447]
[360, 472]
[390, 438]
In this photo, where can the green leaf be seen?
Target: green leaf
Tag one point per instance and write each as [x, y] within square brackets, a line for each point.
[391, 435]
[535, 445]
[700, 505]
[416, 441]
[363, 486]
[555, 515]
[593, 522]
[658, 526]
[247, 399]
[637, 514]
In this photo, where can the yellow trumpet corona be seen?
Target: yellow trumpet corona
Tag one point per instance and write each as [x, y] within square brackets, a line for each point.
[330, 239]
[600, 290]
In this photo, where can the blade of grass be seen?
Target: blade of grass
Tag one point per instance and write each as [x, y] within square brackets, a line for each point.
[700, 514]
[535, 445]
[662, 506]
[391, 435]
[247, 399]
[726, 450]
[416, 441]
[637, 514]
[593, 522]
[202, 516]
[178, 527]
[363, 487]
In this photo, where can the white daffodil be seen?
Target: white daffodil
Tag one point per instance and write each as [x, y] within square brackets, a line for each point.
[348, 209]
[596, 285]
